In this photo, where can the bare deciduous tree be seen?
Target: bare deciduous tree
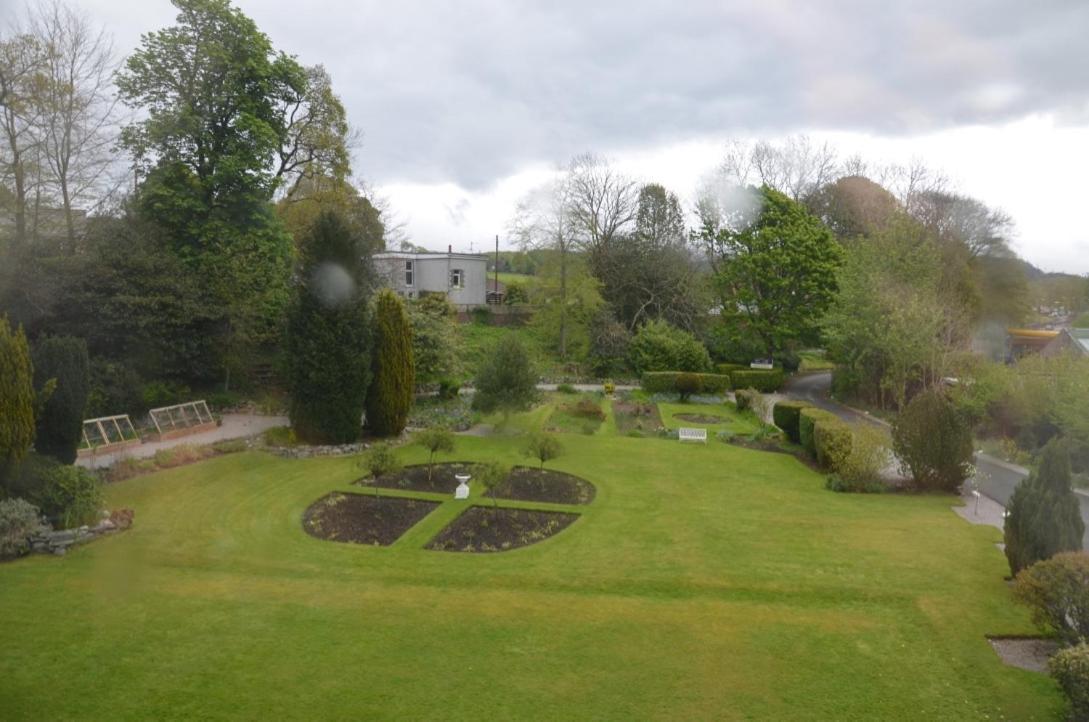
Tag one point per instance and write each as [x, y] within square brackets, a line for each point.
[602, 204]
[21, 61]
[796, 167]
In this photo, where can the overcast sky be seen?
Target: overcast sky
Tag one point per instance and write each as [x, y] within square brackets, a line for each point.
[466, 105]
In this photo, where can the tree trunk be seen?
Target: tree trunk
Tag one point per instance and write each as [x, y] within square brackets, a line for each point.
[563, 301]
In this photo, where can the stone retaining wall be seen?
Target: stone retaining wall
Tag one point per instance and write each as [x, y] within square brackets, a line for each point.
[57, 542]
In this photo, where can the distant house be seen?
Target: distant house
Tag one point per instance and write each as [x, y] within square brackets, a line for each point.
[1024, 341]
[461, 277]
[1068, 339]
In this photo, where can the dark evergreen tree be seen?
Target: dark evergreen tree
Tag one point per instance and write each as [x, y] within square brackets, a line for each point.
[506, 380]
[328, 340]
[60, 423]
[16, 397]
[1044, 514]
[393, 372]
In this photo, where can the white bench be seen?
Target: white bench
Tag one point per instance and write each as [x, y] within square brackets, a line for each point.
[699, 435]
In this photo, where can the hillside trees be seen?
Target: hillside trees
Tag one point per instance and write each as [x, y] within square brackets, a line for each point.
[328, 339]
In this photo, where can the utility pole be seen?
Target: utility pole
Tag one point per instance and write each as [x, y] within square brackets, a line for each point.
[497, 268]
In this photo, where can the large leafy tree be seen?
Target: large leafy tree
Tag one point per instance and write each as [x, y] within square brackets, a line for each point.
[774, 266]
[62, 359]
[393, 372]
[1044, 514]
[328, 339]
[214, 98]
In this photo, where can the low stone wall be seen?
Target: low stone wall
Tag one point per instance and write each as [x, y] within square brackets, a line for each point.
[58, 542]
[306, 452]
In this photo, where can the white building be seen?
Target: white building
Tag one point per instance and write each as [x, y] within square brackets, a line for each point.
[462, 277]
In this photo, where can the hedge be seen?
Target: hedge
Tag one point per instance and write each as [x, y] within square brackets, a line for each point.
[787, 415]
[743, 399]
[765, 381]
[832, 440]
[727, 369]
[666, 382]
[806, 421]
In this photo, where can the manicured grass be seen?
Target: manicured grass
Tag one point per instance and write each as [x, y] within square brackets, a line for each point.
[703, 582]
[566, 418]
[814, 360]
[730, 418]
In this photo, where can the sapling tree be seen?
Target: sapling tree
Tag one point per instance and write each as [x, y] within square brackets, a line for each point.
[491, 475]
[543, 447]
[435, 440]
[380, 460]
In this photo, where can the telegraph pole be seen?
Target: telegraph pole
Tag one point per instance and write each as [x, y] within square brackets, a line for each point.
[497, 268]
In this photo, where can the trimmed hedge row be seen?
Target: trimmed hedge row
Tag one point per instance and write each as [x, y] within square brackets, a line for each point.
[765, 381]
[682, 382]
[787, 416]
[727, 369]
[832, 439]
[807, 421]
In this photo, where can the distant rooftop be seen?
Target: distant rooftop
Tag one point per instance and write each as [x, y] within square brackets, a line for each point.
[430, 254]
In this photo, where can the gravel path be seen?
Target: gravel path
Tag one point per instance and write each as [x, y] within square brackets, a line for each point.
[235, 426]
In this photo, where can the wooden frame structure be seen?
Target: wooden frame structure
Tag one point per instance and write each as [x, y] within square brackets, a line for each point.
[108, 432]
[182, 419]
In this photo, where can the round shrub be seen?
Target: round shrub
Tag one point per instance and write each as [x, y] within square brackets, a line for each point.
[1070, 668]
[19, 520]
[506, 380]
[1057, 592]
[933, 443]
[743, 399]
[657, 346]
[787, 416]
[832, 442]
[688, 384]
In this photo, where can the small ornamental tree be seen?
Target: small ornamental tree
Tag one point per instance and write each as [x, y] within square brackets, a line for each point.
[491, 475]
[327, 342]
[16, 396]
[60, 423]
[933, 442]
[506, 380]
[543, 447]
[1044, 514]
[393, 372]
[435, 440]
[379, 460]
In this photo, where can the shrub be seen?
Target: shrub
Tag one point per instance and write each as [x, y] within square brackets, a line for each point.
[280, 436]
[587, 408]
[60, 422]
[163, 393]
[516, 293]
[19, 520]
[379, 460]
[436, 345]
[229, 446]
[327, 339]
[506, 380]
[790, 360]
[787, 415]
[16, 396]
[860, 469]
[222, 400]
[764, 380]
[67, 495]
[687, 384]
[393, 376]
[481, 315]
[727, 369]
[807, 420]
[1070, 668]
[663, 382]
[180, 455]
[657, 346]
[832, 441]
[609, 388]
[744, 398]
[1057, 592]
[566, 389]
[448, 389]
[933, 443]
[543, 447]
[435, 440]
[1044, 513]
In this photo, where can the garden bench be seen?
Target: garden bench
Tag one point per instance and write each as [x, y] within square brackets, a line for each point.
[699, 435]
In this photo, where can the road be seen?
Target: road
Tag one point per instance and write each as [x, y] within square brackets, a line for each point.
[995, 478]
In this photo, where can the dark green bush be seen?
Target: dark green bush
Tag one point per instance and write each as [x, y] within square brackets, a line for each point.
[1070, 668]
[163, 393]
[657, 346]
[806, 422]
[507, 379]
[566, 389]
[60, 421]
[481, 315]
[765, 381]
[393, 373]
[448, 389]
[933, 443]
[666, 382]
[789, 360]
[727, 369]
[221, 400]
[832, 441]
[1057, 592]
[787, 415]
[67, 495]
[1044, 513]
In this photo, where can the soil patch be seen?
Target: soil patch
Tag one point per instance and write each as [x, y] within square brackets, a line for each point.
[363, 519]
[1029, 653]
[414, 478]
[701, 418]
[529, 484]
[486, 529]
[639, 416]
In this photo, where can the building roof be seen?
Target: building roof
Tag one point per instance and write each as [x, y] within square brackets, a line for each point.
[1080, 336]
[411, 256]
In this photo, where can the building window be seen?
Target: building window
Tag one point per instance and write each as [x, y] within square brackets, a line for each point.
[408, 273]
[457, 278]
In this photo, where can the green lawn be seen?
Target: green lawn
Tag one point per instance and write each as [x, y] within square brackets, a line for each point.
[729, 417]
[703, 582]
